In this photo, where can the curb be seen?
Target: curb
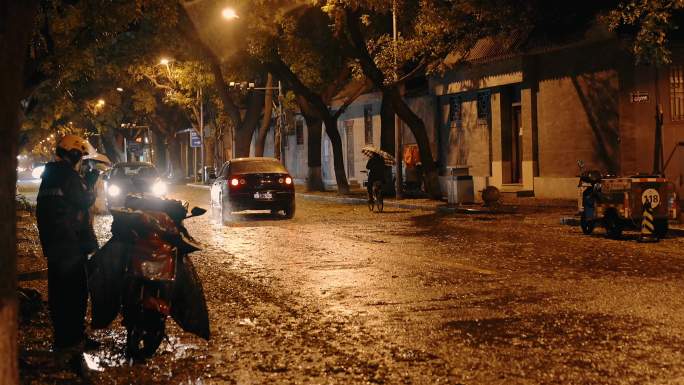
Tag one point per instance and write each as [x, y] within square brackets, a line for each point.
[400, 205]
[202, 186]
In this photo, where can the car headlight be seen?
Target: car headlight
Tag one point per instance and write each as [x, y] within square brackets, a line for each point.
[113, 190]
[38, 172]
[159, 188]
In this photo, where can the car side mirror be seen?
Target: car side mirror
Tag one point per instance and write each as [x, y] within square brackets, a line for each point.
[197, 211]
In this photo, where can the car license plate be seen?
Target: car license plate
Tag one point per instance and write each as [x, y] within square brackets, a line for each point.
[267, 195]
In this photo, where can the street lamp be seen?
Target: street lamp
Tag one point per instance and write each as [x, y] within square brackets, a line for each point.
[100, 103]
[165, 62]
[229, 14]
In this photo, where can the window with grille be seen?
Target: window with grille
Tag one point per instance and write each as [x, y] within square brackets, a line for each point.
[677, 92]
[483, 105]
[299, 131]
[454, 109]
[368, 123]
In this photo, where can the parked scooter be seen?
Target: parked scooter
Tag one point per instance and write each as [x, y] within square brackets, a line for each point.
[590, 187]
[643, 202]
[146, 263]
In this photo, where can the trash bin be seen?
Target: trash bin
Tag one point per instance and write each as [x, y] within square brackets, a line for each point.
[460, 188]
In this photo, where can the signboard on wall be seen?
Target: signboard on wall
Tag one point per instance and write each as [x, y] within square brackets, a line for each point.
[639, 97]
[195, 140]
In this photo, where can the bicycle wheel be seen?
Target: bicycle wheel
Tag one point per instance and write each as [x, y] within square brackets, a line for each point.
[380, 202]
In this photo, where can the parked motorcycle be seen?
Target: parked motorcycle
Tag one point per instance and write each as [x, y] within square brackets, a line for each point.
[590, 187]
[619, 202]
[146, 266]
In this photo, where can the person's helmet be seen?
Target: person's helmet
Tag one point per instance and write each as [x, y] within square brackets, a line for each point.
[75, 142]
[73, 147]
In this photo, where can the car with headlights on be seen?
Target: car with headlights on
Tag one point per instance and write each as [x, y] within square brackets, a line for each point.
[256, 183]
[132, 178]
[30, 172]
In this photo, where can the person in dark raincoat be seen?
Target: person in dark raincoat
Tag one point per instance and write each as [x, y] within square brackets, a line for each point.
[67, 238]
[376, 172]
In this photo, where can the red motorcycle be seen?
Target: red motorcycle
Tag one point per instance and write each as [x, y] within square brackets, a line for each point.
[146, 261]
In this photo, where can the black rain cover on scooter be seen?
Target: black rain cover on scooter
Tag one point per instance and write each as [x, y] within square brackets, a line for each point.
[188, 305]
[106, 271]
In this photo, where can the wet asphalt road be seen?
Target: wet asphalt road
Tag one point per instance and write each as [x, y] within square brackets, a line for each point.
[339, 295]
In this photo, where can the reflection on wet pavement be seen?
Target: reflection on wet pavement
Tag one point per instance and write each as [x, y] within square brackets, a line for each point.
[339, 295]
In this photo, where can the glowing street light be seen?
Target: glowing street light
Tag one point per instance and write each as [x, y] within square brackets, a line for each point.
[119, 89]
[229, 14]
[100, 103]
[165, 62]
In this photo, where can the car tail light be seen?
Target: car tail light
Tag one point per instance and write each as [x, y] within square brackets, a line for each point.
[234, 182]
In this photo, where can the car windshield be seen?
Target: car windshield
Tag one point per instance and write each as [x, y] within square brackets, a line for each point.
[143, 171]
[252, 166]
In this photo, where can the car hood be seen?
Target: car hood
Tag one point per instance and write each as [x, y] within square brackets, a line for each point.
[136, 184]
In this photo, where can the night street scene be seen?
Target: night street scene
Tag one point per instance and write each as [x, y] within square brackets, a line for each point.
[458, 192]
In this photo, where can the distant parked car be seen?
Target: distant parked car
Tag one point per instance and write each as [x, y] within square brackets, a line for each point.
[130, 178]
[33, 171]
[253, 184]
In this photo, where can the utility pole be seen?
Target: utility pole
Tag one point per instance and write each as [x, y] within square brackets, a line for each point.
[398, 145]
[277, 140]
[658, 144]
[201, 127]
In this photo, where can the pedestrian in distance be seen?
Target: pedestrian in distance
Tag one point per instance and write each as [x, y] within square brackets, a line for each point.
[67, 238]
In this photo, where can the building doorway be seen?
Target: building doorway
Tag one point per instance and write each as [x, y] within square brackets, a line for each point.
[349, 130]
[511, 135]
[516, 144]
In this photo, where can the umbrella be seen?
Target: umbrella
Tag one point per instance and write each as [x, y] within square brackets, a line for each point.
[369, 151]
[99, 158]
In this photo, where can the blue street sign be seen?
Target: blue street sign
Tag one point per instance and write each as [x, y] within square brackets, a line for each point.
[195, 140]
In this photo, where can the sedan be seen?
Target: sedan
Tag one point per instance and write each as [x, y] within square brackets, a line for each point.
[131, 178]
[253, 184]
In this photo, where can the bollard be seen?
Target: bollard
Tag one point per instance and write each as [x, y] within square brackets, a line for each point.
[647, 227]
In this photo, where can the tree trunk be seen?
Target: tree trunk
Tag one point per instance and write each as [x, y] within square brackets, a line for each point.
[314, 128]
[16, 19]
[244, 132]
[209, 152]
[319, 109]
[159, 146]
[417, 127]
[266, 120]
[338, 157]
[370, 69]
[174, 149]
[227, 143]
[112, 149]
[387, 128]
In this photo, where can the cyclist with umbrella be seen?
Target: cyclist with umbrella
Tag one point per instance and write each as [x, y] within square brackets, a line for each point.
[377, 164]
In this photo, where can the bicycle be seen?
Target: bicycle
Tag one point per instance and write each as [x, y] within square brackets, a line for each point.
[375, 195]
[376, 199]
